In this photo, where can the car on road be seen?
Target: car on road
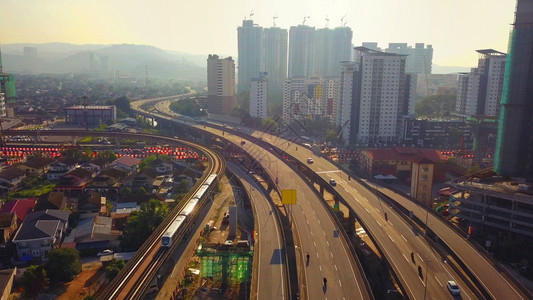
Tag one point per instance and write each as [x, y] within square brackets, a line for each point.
[105, 252]
[332, 182]
[309, 160]
[453, 287]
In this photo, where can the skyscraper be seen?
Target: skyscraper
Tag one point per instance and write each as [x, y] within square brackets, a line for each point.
[301, 51]
[479, 92]
[383, 96]
[332, 46]
[274, 56]
[419, 58]
[347, 108]
[220, 85]
[259, 96]
[514, 146]
[249, 62]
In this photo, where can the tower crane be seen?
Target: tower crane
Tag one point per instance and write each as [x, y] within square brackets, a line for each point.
[327, 21]
[343, 23]
[274, 19]
[305, 18]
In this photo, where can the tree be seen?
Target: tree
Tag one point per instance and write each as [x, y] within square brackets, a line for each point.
[108, 155]
[34, 281]
[112, 270]
[72, 152]
[142, 223]
[123, 104]
[63, 264]
[331, 136]
[269, 125]
[436, 105]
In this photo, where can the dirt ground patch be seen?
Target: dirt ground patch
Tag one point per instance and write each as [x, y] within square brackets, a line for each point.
[81, 286]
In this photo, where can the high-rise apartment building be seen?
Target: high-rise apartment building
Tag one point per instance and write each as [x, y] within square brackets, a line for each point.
[419, 59]
[332, 46]
[382, 96]
[514, 146]
[259, 96]
[274, 56]
[479, 92]
[310, 98]
[348, 109]
[7, 87]
[301, 51]
[220, 85]
[249, 60]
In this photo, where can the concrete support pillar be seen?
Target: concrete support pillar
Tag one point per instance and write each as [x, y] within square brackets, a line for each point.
[322, 190]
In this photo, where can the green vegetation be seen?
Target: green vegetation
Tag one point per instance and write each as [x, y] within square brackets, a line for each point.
[188, 107]
[63, 264]
[33, 187]
[80, 155]
[142, 223]
[101, 127]
[107, 155]
[34, 281]
[112, 270]
[145, 163]
[87, 139]
[436, 106]
[123, 106]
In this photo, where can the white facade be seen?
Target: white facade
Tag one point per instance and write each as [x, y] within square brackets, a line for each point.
[310, 97]
[385, 96]
[258, 97]
[495, 78]
[479, 92]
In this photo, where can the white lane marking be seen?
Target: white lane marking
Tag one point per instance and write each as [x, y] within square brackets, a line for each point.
[336, 268]
[346, 190]
[307, 222]
[320, 266]
[391, 238]
[340, 283]
[422, 281]
[405, 257]
[366, 199]
[378, 223]
[420, 257]
[367, 210]
[404, 238]
[314, 243]
[438, 281]
[357, 200]
[331, 254]
[327, 242]
[318, 221]
[377, 210]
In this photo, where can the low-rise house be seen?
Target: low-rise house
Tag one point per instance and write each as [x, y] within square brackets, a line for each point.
[11, 177]
[96, 165]
[161, 166]
[91, 203]
[40, 232]
[126, 207]
[93, 233]
[74, 182]
[21, 207]
[108, 182]
[8, 225]
[54, 200]
[36, 165]
[60, 167]
[127, 163]
[136, 181]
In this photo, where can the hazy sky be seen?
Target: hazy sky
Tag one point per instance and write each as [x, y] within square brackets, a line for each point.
[455, 28]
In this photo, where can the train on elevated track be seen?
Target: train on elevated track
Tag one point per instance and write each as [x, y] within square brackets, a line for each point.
[181, 220]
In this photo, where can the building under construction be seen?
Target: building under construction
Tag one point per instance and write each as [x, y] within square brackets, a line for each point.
[499, 204]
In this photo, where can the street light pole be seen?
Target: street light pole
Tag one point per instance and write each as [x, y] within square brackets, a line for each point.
[426, 279]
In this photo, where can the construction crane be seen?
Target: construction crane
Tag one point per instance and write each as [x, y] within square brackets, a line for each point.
[343, 127]
[274, 19]
[251, 13]
[342, 21]
[305, 18]
[327, 21]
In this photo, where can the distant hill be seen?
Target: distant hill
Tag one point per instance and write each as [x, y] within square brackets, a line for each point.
[127, 59]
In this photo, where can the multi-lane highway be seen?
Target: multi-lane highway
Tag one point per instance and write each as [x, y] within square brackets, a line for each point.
[397, 239]
[330, 257]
